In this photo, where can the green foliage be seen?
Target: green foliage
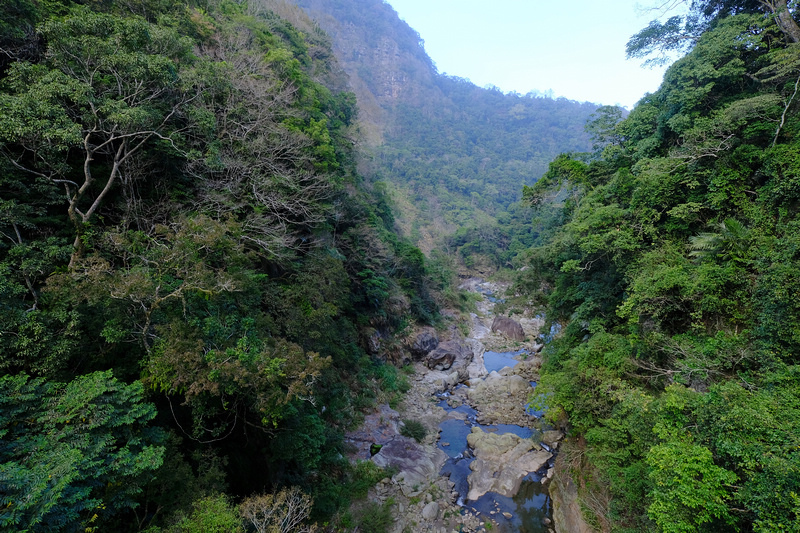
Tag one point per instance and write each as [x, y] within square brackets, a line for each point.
[375, 517]
[690, 490]
[73, 452]
[181, 206]
[453, 155]
[414, 429]
[213, 514]
[669, 261]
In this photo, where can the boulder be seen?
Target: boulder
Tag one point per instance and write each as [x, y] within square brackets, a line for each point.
[552, 438]
[417, 465]
[440, 359]
[378, 429]
[501, 399]
[501, 461]
[425, 342]
[508, 327]
[447, 354]
[431, 511]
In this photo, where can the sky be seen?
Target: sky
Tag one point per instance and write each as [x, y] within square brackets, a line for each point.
[575, 48]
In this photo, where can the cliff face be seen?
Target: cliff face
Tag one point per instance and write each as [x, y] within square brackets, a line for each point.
[383, 57]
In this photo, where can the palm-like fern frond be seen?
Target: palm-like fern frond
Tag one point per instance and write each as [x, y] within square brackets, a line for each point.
[731, 241]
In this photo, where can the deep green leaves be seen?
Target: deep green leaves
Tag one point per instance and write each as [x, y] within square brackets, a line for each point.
[72, 451]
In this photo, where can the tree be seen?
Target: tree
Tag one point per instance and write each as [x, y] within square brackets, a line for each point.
[689, 489]
[72, 454]
[602, 127]
[283, 512]
[212, 514]
[108, 87]
[681, 32]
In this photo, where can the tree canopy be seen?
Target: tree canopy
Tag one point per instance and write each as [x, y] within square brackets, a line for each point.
[668, 257]
[192, 269]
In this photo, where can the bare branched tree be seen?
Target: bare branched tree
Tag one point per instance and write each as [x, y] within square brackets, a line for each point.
[265, 175]
[283, 512]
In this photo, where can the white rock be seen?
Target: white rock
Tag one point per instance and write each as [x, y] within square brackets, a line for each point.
[431, 511]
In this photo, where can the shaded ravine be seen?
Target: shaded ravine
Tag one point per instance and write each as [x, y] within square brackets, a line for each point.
[530, 509]
[456, 397]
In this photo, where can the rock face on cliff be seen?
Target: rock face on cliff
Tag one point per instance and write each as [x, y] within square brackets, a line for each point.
[567, 514]
[413, 115]
[508, 327]
[501, 461]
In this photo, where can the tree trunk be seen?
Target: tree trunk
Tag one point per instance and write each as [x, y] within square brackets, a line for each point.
[784, 19]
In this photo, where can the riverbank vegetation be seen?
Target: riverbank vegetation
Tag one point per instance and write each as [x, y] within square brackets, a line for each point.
[671, 258]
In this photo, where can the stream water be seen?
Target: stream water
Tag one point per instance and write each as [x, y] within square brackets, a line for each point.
[532, 505]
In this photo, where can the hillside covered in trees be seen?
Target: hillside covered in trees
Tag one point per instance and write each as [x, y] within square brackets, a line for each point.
[672, 261]
[454, 156]
[191, 268]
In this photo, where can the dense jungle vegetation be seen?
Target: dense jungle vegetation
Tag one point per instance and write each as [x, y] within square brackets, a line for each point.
[193, 275]
[196, 278]
[672, 258]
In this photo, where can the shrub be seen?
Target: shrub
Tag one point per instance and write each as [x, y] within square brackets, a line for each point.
[414, 430]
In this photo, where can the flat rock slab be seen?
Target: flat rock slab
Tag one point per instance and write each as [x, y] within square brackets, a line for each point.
[501, 461]
[501, 397]
[479, 329]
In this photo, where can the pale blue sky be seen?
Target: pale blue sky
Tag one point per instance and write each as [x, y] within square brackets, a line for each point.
[576, 48]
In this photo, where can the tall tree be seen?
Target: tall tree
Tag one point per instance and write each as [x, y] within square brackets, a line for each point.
[108, 88]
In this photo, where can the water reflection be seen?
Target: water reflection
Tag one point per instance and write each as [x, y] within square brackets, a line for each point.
[496, 361]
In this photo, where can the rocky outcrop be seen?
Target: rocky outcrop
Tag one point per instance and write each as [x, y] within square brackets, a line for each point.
[417, 465]
[567, 514]
[508, 327]
[501, 397]
[424, 343]
[479, 330]
[378, 428]
[551, 438]
[501, 461]
[448, 354]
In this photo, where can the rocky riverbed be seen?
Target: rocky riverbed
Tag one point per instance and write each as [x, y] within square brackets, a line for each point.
[483, 443]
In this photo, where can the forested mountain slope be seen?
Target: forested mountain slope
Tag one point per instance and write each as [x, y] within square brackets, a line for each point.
[673, 261]
[454, 155]
[191, 269]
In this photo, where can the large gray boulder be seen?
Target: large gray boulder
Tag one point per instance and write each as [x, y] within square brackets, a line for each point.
[449, 353]
[425, 342]
[378, 428]
[501, 396]
[501, 461]
[508, 327]
[417, 466]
